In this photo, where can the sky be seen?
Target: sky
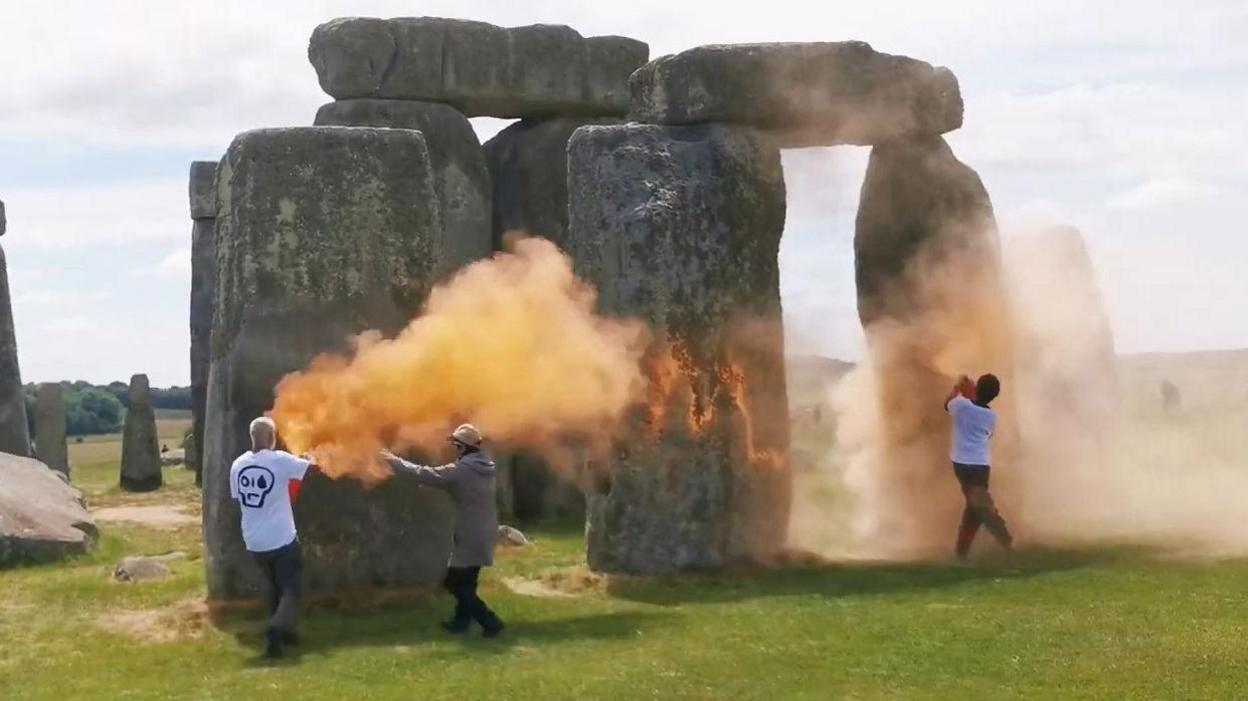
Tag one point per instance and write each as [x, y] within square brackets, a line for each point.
[1126, 120]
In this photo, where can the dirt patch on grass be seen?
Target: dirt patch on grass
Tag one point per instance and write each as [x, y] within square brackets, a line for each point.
[163, 516]
[559, 583]
[184, 620]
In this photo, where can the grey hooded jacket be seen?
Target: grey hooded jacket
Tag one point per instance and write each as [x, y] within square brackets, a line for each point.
[470, 482]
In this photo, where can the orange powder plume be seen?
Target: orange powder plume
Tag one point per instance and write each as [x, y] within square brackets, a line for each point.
[511, 344]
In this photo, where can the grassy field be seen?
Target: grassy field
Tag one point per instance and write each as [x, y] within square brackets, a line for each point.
[89, 451]
[1108, 623]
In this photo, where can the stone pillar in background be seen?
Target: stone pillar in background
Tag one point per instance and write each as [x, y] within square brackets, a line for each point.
[933, 306]
[1067, 377]
[528, 164]
[460, 175]
[203, 200]
[322, 232]
[681, 227]
[14, 431]
[140, 450]
[50, 424]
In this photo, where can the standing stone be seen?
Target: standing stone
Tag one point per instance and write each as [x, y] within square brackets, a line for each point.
[50, 424]
[810, 94]
[681, 227]
[203, 201]
[322, 233]
[1067, 377]
[541, 492]
[459, 171]
[14, 432]
[932, 305]
[528, 163]
[479, 68]
[140, 449]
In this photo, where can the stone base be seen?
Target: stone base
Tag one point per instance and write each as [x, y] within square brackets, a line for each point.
[150, 484]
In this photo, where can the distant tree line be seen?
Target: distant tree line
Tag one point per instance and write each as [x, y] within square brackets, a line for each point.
[94, 409]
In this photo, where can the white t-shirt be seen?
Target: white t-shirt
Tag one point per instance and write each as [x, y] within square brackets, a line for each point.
[972, 427]
[259, 481]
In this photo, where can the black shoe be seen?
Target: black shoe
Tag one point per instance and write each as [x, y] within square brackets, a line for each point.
[456, 627]
[493, 631]
[272, 644]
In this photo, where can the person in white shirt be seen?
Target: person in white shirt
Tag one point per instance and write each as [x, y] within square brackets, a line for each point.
[973, 426]
[261, 481]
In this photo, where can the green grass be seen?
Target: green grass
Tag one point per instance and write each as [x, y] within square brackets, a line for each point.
[1107, 623]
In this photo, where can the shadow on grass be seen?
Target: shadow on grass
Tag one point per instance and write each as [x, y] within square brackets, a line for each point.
[838, 580]
[398, 626]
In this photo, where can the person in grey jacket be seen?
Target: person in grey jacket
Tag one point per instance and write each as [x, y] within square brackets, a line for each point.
[470, 482]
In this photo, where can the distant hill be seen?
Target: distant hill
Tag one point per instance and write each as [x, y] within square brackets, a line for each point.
[811, 377]
[1206, 379]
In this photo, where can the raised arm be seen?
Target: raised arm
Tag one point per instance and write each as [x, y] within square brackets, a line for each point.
[441, 476]
[961, 387]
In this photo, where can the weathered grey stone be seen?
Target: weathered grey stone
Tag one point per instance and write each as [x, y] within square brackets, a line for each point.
[42, 518]
[917, 200]
[203, 281]
[504, 487]
[541, 493]
[145, 568]
[681, 227]
[528, 163]
[4, 222]
[50, 425]
[1066, 377]
[511, 536]
[459, 171]
[932, 305]
[322, 232]
[14, 433]
[203, 189]
[140, 450]
[810, 94]
[481, 69]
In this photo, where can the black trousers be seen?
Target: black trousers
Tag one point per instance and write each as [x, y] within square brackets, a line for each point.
[282, 568]
[461, 582]
[979, 509]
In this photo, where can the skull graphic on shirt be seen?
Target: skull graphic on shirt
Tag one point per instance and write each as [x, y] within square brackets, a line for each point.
[254, 485]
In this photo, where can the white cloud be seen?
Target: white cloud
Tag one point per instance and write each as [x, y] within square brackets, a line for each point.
[1161, 194]
[194, 74]
[97, 215]
[1130, 130]
[176, 265]
[73, 324]
[1077, 112]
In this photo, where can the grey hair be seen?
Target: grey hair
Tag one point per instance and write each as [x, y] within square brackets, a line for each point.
[259, 421]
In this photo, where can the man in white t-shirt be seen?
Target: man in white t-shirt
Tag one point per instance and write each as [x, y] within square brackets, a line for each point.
[263, 481]
[973, 426]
